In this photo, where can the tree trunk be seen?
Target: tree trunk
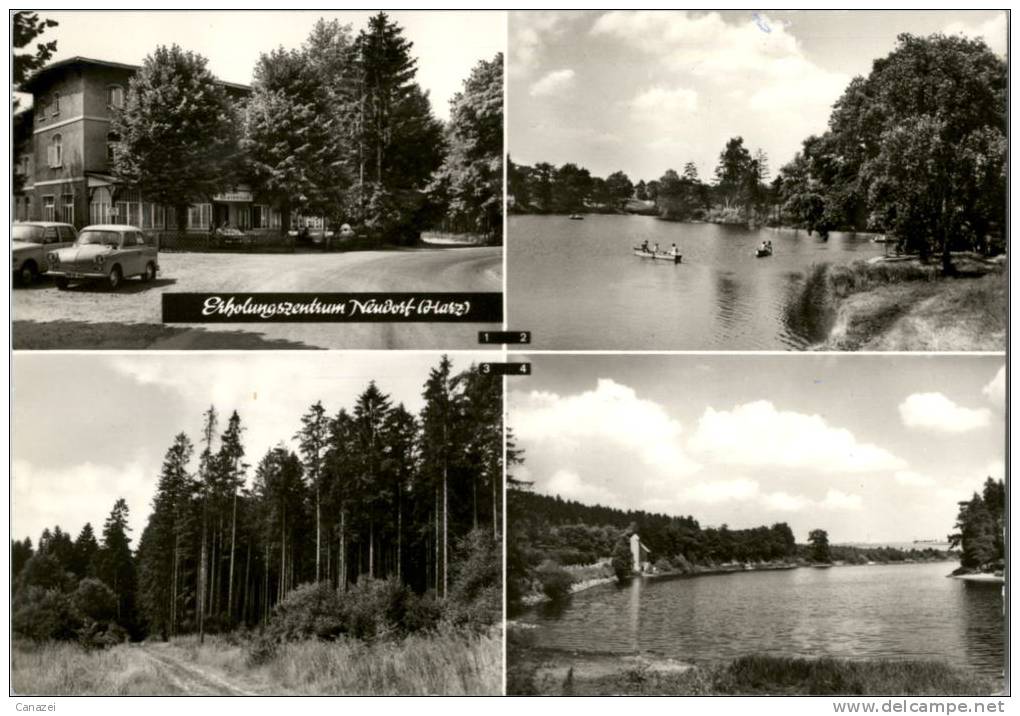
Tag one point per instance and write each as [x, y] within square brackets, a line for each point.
[233, 544]
[400, 527]
[436, 542]
[318, 533]
[342, 577]
[446, 533]
[371, 548]
[202, 576]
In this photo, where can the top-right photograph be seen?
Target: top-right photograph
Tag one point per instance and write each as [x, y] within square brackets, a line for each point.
[737, 181]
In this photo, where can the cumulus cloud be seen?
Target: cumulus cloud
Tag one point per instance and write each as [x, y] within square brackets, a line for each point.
[610, 414]
[756, 54]
[836, 500]
[910, 478]
[993, 31]
[785, 502]
[934, 411]
[720, 491]
[995, 391]
[757, 434]
[529, 33]
[658, 100]
[568, 484]
[552, 82]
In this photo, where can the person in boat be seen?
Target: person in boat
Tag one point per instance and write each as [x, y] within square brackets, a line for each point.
[764, 247]
[644, 245]
[656, 249]
[672, 250]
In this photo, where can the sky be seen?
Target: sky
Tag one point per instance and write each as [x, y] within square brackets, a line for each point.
[647, 91]
[233, 40]
[874, 449]
[90, 428]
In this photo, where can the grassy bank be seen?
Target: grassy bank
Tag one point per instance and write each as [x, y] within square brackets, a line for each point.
[449, 661]
[905, 305]
[536, 671]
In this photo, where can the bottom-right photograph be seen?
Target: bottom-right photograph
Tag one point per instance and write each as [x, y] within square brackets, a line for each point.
[756, 524]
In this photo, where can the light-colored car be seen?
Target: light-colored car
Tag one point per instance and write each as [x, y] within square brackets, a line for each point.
[105, 252]
[31, 241]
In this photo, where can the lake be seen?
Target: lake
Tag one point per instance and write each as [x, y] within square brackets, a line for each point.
[878, 611]
[577, 284]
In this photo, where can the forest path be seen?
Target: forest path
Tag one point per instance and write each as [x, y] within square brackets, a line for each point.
[191, 679]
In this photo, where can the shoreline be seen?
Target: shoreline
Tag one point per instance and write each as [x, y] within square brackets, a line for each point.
[534, 599]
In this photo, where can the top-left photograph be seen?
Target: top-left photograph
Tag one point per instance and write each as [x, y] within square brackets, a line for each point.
[256, 180]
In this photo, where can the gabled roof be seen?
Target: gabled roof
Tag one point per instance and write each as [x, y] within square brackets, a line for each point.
[79, 60]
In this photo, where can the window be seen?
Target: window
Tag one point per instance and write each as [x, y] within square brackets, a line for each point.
[55, 156]
[50, 235]
[67, 200]
[199, 216]
[48, 208]
[111, 147]
[115, 96]
[55, 104]
[66, 234]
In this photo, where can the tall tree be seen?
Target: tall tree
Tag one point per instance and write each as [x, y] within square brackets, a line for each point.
[178, 138]
[312, 445]
[819, 540]
[116, 565]
[26, 26]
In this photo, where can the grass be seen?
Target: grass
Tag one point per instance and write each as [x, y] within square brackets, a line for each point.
[63, 669]
[450, 662]
[532, 672]
[908, 306]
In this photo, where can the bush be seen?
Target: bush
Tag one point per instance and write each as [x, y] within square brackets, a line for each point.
[622, 560]
[422, 613]
[373, 607]
[40, 614]
[310, 610]
[93, 635]
[94, 601]
[555, 580]
[476, 595]
[261, 650]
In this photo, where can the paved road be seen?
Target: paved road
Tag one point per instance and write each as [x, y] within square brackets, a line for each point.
[89, 316]
[189, 679]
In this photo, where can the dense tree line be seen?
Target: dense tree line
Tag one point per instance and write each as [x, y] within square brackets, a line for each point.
[372, 493]
[916, 149]
[980, 529]
[337, 128]
[739, 194]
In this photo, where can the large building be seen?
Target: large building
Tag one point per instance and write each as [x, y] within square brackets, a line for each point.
[64, 149]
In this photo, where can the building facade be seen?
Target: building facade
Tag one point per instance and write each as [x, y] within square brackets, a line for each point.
[64, 148]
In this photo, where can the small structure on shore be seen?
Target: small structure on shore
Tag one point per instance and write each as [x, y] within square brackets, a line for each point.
[640, 555]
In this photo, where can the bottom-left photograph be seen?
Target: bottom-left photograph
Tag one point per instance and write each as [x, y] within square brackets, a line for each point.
[247, 524]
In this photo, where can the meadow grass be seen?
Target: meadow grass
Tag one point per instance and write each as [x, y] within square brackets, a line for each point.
[64, 669]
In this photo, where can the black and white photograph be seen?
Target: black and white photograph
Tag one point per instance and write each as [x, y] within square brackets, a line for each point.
[736, 180]
[732, 525]
[256, 524]
[252, 152]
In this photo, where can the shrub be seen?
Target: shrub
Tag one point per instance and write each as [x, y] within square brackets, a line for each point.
[261, 650]
[373, 607]
[423, 613]
[476, 595]
[94, 601]
[40, 614]
[310, 610]
[93, 635]
[555, 580]
[622, 560]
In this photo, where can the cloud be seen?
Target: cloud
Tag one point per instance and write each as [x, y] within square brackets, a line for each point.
[836, 500]
[910, 478]
[553, 82]
[784, 502]
[761, 56]
[529, 33]
[721, 491]
[568, 484]
[993, 31]
[664, 100]
[611, 414]
[995, 391]
[757, 434]
[934, 411]
[996, 469]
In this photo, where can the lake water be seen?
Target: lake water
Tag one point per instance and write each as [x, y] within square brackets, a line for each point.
[879, 611]
[577, 284]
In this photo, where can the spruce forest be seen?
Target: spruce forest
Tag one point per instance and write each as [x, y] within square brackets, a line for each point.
[377, 521]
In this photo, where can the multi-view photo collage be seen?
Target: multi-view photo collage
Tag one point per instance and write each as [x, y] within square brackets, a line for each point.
[509, 353]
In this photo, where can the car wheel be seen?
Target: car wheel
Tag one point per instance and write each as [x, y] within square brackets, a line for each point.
[61, 282]
[150, 272]
[113, 280]
[27, 273]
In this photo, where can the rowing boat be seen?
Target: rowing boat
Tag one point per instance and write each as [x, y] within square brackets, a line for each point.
[662, 255]
[761, 253]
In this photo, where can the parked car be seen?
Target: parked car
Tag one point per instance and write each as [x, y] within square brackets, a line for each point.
[30, 242]
[107, 253]
[229, 236]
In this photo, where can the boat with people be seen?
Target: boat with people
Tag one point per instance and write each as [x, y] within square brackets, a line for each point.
[660, 255]
[764, 250]
[576, 217]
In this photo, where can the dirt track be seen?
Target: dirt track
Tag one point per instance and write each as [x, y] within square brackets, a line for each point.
[88, 316]
[191, 679]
